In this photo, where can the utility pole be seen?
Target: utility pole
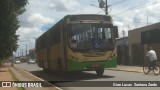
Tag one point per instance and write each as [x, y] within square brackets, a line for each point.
[129, 27]
[26, 50]
[123, 32]
[18, 53]
[21, 52]
[124, 48]
[106, 8]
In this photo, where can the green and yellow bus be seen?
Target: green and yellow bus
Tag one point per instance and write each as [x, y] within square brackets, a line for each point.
[78, 43]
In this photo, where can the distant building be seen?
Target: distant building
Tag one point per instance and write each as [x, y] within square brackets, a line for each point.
[122, 51]
[32, 53]
[142, 38]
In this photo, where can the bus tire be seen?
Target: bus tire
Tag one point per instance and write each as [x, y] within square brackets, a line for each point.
[100, 71]
[44, 69]
[59, 65]
[60, 69]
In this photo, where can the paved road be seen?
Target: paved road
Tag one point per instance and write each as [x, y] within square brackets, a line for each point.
[109, 75]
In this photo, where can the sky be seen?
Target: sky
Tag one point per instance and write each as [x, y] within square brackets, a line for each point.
[40, 15]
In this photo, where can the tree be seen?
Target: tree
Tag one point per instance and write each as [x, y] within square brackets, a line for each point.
[10, 10]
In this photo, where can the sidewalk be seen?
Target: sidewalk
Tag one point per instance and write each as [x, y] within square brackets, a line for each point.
[5, 75]
[137, 69]
[23, 75]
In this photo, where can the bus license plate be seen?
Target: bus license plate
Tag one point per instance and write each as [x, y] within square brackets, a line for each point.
[95, 65]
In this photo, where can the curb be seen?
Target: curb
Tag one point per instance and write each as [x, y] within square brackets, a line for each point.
[125, 70]
[34, 77]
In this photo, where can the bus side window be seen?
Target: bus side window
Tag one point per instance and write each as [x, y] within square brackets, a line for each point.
[115, 31]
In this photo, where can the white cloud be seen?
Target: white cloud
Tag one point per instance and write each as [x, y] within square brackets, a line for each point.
[38, 19]
[118, 23]
[64, 5]
[27, 36]
[43, 12]
[52, 5]
[29, 32]
[32, 24]
[135, 18]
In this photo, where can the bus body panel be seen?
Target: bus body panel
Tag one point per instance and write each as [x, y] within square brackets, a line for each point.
[87, 66]
[58, 56]
[77, 61]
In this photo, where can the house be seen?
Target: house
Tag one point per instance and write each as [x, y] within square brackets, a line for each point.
[140, 39]
[122, 51]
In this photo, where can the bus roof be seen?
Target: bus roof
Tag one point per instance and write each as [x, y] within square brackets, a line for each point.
[81, 17]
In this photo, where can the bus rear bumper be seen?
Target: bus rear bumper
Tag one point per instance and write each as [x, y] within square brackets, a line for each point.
[89, 66]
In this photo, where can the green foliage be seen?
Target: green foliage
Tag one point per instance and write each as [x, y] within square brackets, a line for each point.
[10, 10]
[15, 79]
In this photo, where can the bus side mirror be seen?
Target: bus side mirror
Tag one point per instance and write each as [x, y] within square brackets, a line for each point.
[115, 31]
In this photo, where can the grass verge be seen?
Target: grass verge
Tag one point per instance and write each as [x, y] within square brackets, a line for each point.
[15, 79]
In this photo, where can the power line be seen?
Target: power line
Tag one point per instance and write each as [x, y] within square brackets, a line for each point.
[104, 10]
[117, 2]
[121, 4]
[100, 11]
[109, 6]
[134, 20]
[94, 5]
[132, 8]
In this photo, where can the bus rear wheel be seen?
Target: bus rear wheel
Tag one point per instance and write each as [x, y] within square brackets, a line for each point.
[61, 73]
[44, 69]
[100, 71]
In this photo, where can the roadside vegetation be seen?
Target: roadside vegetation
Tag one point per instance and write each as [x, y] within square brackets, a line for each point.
[9, 24]
[15, 79]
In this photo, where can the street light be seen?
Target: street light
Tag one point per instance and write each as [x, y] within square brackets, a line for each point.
[103, 4]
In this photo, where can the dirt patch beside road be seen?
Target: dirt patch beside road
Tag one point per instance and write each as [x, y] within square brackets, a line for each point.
[5, 75]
